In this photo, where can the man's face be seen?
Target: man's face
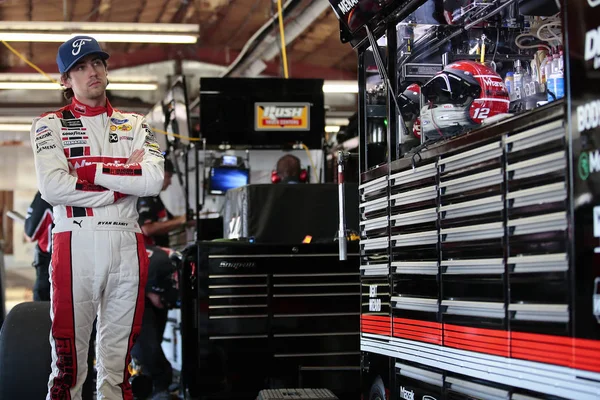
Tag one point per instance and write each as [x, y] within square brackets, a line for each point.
[88, 78]
[167, 180]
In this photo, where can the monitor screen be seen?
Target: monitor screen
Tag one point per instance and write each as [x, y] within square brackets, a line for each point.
[230, 160]
[223, 179]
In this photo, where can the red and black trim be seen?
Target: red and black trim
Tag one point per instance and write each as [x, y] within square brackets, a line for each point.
[122, 170]
[77, 151]
[63, 324]
[76, 110]
[79, 212]
[424, 331]
[138, 314]
[377, 324]
[487, 341]
[38, 223]
[583, 354]
[85, 186]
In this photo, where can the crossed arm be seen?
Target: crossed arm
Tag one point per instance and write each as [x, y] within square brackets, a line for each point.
[95, 185]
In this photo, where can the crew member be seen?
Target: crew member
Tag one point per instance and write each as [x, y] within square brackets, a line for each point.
[92, 163]
[288, 170]
[155, 220]
[38, 228]
[161, 295]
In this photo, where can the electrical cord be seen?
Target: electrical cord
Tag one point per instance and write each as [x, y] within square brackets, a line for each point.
[282, 37]
[533, 46]
[312, 164]
[252, 42]
[497, 43]
[32, 65]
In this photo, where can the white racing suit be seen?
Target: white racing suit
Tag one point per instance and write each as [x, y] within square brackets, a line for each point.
[99, 263]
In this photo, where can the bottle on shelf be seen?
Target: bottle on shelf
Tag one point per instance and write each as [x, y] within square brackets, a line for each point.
[518, 80]
[556, 80]
[509, 82]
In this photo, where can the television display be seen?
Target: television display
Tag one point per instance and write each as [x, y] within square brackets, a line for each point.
[222, 179]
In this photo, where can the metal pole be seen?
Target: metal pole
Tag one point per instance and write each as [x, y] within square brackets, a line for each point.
[186, 165]
[342, 209]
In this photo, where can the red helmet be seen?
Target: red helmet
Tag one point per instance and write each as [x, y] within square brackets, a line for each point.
[460, 97]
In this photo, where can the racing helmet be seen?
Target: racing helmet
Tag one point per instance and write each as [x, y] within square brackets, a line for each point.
[410, 107]
[410, 100]
[460, 98]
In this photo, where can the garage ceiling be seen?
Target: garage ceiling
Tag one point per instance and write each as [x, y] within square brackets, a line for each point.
[225, 27]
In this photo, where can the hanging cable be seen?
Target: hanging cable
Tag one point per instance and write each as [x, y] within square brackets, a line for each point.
[191, 139]
[32, 65]
[282, 36]
[312, 164]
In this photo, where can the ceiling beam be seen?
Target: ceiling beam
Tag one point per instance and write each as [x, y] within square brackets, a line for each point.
[217, 56]
[181, 12]
[162, 11]
[94, 12]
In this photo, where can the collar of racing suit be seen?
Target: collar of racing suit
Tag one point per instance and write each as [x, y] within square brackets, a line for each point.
[79, 109]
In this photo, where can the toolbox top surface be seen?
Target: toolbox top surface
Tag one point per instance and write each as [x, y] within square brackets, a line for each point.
[304, 394]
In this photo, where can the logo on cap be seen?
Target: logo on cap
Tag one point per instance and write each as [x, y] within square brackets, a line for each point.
[78, 44]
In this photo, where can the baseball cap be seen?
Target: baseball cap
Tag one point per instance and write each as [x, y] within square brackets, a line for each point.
[75, 49]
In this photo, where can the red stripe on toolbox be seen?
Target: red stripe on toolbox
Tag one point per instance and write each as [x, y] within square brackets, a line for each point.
[476, 338]
[437, 339]
[477, 349]
[482, 346]
[418, 329]
[417, 322]
[476, 331]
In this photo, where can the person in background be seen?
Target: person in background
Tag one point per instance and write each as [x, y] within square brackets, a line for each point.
[38, 228]
[161, 295]
[288, 170]
[155, 220]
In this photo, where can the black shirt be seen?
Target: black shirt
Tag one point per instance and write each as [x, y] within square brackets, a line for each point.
[152, 209]
[38, 223]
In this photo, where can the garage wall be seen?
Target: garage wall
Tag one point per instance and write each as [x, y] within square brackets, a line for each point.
[17, 173]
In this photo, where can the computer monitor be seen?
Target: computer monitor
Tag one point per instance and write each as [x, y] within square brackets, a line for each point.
[222, 179]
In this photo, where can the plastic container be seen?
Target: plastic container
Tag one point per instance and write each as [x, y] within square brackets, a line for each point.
[556, 85]
[509, 81]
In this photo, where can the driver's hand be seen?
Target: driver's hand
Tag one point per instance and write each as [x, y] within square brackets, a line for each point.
[136, 157]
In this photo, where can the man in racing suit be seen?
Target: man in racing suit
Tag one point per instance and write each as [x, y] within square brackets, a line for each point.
[92, 163]
[38, 228]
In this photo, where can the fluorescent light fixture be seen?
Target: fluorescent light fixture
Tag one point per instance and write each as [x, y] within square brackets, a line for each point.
[340, 87]
[40, 31]
[39, 82]
[101, 37]
[15, 127]
[332, 128]
[337, 121]
[55, 86]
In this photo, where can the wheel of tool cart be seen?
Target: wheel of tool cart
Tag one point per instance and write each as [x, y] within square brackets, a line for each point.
[377, 390]
[25, 351]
